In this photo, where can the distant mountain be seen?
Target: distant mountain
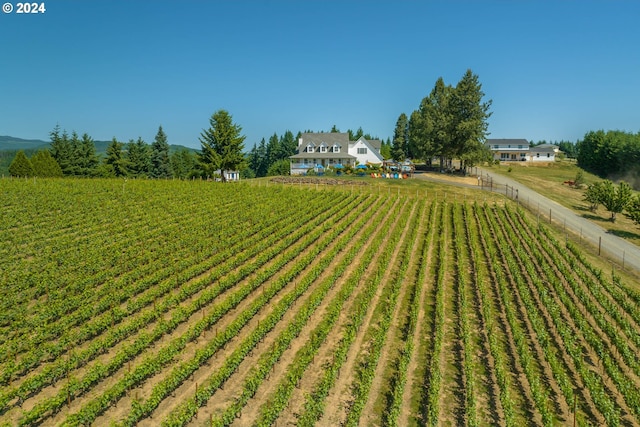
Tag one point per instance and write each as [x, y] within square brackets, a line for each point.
[11, 143]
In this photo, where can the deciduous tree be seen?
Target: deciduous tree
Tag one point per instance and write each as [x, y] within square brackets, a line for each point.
[615, 199]
[633, 209]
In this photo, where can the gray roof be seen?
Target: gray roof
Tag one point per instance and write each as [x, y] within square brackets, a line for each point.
[507, 141]
[544, 148]
[375, 143]
[329, 138]
[341, 155]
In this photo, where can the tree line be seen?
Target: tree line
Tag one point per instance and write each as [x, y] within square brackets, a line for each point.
[74, 155]
[451, 122]
[611, 154]
[221, 149]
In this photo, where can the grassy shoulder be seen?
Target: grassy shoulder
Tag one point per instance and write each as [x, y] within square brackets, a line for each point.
[548, 179]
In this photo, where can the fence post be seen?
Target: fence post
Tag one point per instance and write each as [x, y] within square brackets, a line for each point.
[599, 245]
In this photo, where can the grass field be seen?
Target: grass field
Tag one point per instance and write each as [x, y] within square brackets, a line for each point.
[195, 303]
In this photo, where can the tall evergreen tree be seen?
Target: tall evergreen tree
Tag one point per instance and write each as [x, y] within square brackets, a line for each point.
[222, 145]
[262, 161]
[288, 145]
[274, 150]
[44, 165]
[89, 160]
[429, 126]
[385, 149]
[469, 115]
[160, 164]
[61, 149]
[115, 162]
[183, 163]
[138, 158]
[400, 136]
[21, 165]
[75, 157]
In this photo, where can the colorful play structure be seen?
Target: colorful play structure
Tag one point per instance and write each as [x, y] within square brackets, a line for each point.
[389, 175]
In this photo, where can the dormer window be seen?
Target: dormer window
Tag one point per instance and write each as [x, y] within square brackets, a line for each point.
[323, 148]
[336, 148]
[310, 148]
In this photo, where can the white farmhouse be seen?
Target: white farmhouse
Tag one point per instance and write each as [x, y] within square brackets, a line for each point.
[543, 153]
[509, 150]
[323, 150]
[518, 150]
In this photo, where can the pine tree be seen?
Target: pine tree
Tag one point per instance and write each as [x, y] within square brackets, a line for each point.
[222, 145]
[469, 115]
[138, 158]
[262, 163]
[89, 161]
[288, 145]
[274, 150]
[44, 165]
[61, 149]
[400, 135]
[115, 162]
[75, 154]
[160, 164]
[20, 166]
[183, 164]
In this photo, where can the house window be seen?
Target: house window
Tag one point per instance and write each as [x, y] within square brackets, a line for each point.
[362, 150]
[504, 156]
[323, 148]
[495, 147]
[548, 154]
[520, 147]
[336, 148]
[537, 154]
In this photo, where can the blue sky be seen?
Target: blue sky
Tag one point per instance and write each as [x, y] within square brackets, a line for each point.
[553, 69]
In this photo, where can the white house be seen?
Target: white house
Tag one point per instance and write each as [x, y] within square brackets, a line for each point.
[509, 150]
[228, 175]
[324, 150]
[543, 153]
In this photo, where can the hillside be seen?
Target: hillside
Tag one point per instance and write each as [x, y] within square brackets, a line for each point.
[13, 143]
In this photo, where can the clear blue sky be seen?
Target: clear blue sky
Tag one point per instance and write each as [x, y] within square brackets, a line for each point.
[554, 69]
